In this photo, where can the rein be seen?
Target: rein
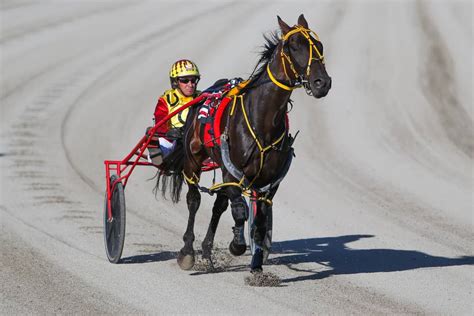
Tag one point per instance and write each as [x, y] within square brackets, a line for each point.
[300, 79]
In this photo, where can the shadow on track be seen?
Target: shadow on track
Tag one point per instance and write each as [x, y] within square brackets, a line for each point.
[154, 257]
[333, 253]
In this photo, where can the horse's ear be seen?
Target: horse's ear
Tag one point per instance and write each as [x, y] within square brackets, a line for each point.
[302, 21]
[283, 26]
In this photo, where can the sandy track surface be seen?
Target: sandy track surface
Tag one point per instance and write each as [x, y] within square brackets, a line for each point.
[375, 215]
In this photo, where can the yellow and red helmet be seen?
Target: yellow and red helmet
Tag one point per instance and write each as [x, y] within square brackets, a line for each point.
[183, 68]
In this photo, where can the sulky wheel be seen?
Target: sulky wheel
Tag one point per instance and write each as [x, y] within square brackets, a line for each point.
[114, 229]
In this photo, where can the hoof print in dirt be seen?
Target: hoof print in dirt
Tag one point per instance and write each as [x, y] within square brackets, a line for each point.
[219, 262]
[263, 279]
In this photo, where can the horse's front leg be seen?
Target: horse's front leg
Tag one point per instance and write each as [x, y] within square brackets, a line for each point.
[240, 214]
[262, 234]
[220, 205]
[186, 254]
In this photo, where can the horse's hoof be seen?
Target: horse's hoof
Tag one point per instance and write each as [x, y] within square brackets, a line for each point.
[257, 260]
[256, 270]
[237, 250]
[185, 262]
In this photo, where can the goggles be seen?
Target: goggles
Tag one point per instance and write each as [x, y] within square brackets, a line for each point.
[193, 80]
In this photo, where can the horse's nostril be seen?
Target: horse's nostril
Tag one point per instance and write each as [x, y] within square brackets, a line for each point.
[319, 83]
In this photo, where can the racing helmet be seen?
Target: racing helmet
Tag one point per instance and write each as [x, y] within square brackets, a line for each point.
[183, 68]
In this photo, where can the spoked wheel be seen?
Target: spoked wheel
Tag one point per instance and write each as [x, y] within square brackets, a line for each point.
[267, 241]
[114, 229]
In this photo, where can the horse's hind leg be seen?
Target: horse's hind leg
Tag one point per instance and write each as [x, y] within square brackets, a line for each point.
[220, 205]
[240, 214]
[186, 254]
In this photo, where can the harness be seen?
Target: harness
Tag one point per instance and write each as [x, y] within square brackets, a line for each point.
[245, 184]
[262, 149]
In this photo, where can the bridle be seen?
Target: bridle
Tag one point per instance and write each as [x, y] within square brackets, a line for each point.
[301, 80]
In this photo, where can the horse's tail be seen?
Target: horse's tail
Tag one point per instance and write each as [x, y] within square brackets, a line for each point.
[170, 176]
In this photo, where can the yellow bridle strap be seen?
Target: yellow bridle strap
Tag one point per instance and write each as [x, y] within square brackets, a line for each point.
[275, 81]
[306, 33]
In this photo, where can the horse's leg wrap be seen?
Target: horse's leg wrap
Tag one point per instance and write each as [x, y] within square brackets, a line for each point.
[260, 224]
[240, 213]
[257, 261]
[262, 236]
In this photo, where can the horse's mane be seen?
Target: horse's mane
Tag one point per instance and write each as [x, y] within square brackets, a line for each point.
[271, 42]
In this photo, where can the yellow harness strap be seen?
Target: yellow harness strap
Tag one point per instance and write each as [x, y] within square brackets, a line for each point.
[235, 90]
[259, 145]
[194, 180]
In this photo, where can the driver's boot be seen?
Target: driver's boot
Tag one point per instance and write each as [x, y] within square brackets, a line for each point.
[155, 155]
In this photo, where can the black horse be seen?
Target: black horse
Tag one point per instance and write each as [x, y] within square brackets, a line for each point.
[255, 150]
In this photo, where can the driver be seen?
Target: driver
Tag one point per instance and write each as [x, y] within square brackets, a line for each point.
[184, 77]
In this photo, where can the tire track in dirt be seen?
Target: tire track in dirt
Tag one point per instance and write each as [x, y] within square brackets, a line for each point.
[26, 273]
[439, 87]
[11, 5]
[5, 93]
[44, 232]
[61, 22]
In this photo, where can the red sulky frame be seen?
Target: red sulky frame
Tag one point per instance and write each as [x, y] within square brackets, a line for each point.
[137, 156]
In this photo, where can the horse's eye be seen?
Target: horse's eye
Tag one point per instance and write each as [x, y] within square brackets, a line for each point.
[293, 45]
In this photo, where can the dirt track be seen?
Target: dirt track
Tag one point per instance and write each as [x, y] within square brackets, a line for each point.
[375, 215]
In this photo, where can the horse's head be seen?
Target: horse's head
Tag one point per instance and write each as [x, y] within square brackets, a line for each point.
[302, 54]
